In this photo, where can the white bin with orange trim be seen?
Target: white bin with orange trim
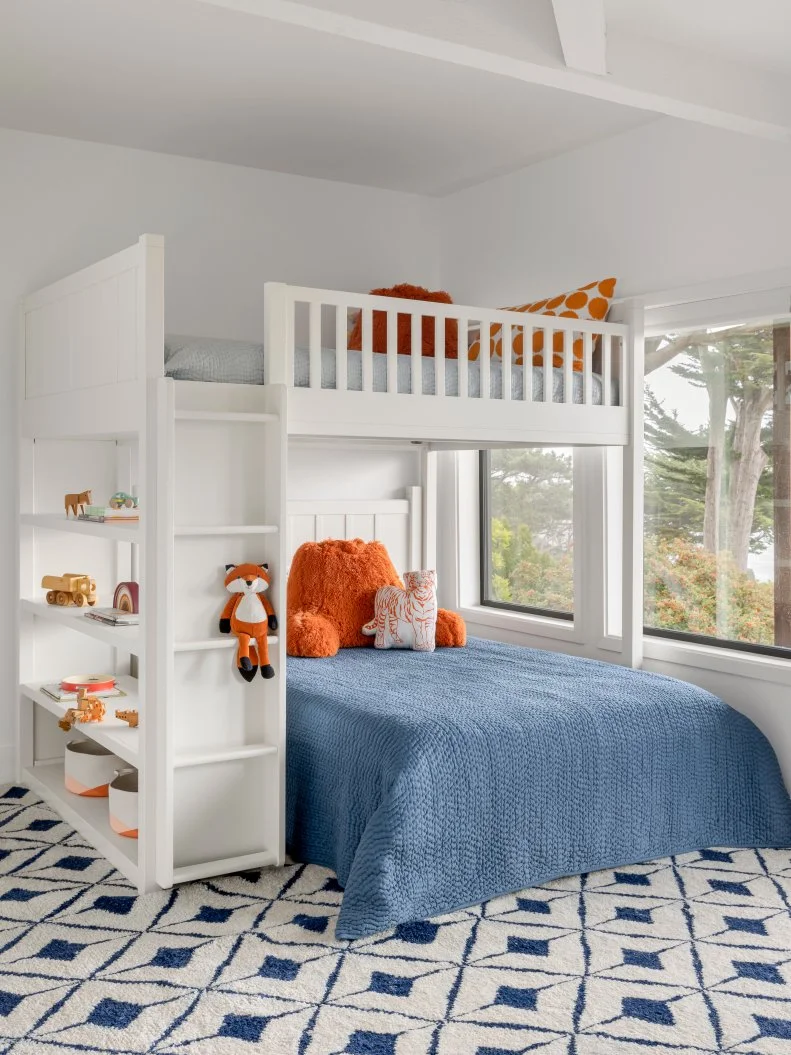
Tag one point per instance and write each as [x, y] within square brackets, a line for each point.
[123, 803]
[89, 768]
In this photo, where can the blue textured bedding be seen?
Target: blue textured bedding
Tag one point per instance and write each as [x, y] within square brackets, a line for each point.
[431, 781]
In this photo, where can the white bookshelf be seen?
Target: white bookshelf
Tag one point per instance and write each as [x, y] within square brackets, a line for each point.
[111, 733]
[88, 816]
[208, 462]
[115, 532]
[125, 638]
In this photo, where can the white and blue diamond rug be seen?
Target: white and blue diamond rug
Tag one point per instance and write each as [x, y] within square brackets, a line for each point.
[679, 956]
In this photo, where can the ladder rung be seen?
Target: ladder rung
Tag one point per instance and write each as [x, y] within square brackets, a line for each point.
[226, 529]
[219, 416]
[223, 866]
[232, 754]
[206, 644]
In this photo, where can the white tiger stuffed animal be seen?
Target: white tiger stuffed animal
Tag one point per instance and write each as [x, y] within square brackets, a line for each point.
[406, 618]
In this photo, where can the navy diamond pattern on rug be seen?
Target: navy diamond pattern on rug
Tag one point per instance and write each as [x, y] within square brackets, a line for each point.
[390, 984]
[172, 958]
[747, 926]
[686, 956]
[114, 1014]
[59, 949]
[243, 1027]
[638, 958]
[759, 972]
[656, 1011]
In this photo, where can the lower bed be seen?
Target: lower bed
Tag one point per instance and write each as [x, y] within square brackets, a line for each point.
[240, 363]
[491, 768]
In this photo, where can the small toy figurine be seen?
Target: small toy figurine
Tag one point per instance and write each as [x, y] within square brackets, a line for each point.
[249, 615]
[77, 503]
[121, 499]
[70, 588]
[88, 709]
[131, 717]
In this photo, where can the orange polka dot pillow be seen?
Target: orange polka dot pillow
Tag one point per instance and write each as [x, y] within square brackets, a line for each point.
[587, 302]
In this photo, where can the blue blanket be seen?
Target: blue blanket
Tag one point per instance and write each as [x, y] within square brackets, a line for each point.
[431, 781]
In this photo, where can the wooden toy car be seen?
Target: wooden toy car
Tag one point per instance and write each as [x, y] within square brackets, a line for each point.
[70, 588]
[88, 709]
[121, 499]
[131, 717]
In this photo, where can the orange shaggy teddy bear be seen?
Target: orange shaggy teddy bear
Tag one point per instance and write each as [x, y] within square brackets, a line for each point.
[331, 591]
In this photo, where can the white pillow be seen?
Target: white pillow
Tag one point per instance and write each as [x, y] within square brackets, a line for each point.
[211, 359]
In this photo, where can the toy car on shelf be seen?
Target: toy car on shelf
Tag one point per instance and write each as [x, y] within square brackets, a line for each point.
[69, 589]
[121, 499]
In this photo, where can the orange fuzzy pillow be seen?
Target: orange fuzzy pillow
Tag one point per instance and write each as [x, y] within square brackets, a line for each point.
[331, 595]
[407, 292]
[587, 302]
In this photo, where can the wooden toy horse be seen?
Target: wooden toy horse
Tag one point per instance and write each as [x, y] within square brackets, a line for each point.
[77, 503]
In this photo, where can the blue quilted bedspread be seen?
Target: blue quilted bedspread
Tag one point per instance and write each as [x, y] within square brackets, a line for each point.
[431, 781]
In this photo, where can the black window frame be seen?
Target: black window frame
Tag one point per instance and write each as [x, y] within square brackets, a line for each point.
[485, 552]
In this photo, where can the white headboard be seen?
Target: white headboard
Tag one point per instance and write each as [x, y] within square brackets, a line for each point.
[397, 522]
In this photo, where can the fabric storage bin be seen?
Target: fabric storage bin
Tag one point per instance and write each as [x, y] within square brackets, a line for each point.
[123, 803]
[89, 768]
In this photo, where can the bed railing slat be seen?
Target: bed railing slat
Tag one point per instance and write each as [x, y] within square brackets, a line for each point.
[314, 343]
[527, 363]
[485, 361]
[367, 352]
[549, 353]
[417, 354]
[341, 347]
[568, 365]
[606, 351]
[587, 368]
[508, 354]
[439, 356]
[463, 358]
[392, 351]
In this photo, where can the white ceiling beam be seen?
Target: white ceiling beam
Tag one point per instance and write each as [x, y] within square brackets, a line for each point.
[582, 28]
[756, 111]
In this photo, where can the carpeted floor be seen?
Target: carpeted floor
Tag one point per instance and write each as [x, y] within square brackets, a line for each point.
[681, 956]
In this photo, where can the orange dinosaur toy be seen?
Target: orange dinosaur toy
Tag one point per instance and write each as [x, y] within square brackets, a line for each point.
[331, 591]
[132, 717]
[88, 709]
[249, 615]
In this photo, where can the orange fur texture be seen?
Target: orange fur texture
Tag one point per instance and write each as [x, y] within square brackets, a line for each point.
[407, 292]
[331, 591]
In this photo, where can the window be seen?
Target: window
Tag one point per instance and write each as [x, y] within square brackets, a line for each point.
[527, 531]
[718, 485]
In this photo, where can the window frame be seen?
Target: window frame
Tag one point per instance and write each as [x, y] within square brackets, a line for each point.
[722, 306]
[727, 644]
[485, 552]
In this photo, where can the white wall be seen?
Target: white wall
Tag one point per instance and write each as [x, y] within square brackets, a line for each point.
[666, 205]
[64, 204]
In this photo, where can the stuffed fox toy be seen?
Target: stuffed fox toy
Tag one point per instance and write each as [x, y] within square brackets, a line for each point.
[248, 613]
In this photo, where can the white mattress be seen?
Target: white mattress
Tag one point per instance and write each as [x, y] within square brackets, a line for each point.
[238, 362]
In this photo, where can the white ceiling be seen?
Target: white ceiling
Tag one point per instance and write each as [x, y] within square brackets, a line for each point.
[197, 80]
[751, 32]
[415, 95]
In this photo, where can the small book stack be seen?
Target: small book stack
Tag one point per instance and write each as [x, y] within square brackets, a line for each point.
[109, 514]
[61, 695]
[113, 616]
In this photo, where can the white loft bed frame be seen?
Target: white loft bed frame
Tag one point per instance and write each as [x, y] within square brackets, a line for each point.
[210, 749]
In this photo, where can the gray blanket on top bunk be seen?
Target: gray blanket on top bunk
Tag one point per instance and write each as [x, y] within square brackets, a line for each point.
[242, 363]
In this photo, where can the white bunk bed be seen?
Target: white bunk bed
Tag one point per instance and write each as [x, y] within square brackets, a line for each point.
[209, 464]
